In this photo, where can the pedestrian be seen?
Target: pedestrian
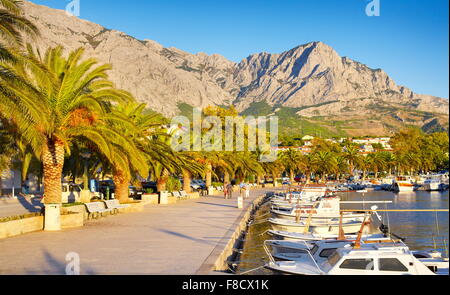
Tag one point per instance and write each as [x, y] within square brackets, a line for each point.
[225, 191]
[230, 190]
[247, 191]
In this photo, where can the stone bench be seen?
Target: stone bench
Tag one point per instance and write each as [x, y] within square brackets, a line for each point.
[96, 209]
[114, 205]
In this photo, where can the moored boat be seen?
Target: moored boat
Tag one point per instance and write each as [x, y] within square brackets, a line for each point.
[403, 184]
[325, 227]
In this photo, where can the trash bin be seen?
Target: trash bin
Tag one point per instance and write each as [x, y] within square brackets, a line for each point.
[52, 219]
[164, 198]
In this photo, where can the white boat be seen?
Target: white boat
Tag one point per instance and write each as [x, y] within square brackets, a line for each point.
[310, 192]
[403, 184]
[432, 184]
[313, 237]
[326, 227]
[366, 259]
[324, 209]
[294, 250]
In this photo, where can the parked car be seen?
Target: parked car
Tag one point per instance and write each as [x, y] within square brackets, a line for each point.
[286, 182]
[197, 184]
[150, 185]
[104, 185]
[135, 193]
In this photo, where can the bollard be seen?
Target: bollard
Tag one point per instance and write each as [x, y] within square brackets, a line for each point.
[240, 202]
[52, 220]
[164, 198]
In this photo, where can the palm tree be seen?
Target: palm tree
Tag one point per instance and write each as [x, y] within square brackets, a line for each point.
[377, 162]
[351, 154]
[291, 160]
[12, 25]
[342, 166]
[365, 165]
[324, 163]
[246, 164]
[59, 100]
[391, 161]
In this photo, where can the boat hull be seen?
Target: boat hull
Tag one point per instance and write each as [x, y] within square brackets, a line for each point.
[332, 229]
[320, 217]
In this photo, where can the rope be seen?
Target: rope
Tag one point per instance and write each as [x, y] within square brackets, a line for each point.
[263, 233]
[251, 270]
[437, 224]
[259, 222]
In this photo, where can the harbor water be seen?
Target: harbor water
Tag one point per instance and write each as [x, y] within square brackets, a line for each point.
[421, 230]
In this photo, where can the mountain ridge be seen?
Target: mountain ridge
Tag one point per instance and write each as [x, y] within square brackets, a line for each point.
[311, 78]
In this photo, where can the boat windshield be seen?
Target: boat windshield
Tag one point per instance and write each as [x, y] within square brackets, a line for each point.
[334, 258]
[314, 249]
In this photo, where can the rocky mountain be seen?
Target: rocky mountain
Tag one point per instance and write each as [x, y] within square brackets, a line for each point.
[312, 81]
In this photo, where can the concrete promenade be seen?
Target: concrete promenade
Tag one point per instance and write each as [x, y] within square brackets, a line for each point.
[173, 239]
[19, 206]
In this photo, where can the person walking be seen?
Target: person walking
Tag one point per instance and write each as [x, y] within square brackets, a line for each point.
[225, 191]
[230, 191]
[246, 191]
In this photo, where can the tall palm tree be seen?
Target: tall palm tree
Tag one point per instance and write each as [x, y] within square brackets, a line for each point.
[246, 165]
[391, 161]
[59, 100]
[351, 154]
[342, 166]
[291, 160]
[377, 162]
[12, 25]
[324, 163]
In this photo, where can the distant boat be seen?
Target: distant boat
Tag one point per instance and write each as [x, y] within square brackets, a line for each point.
[432, 184]
[325, 209]
[403, 184]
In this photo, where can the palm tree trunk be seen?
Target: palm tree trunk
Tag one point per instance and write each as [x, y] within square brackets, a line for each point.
[121, 183]
[291, 176]
[351, 169]
[161, 182]
[186, 181]
[209, 175]
[226, 178]
[53, 162]
[259, 179]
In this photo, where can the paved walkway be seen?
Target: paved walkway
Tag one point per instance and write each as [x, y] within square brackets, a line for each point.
[174, 239]
[19, 206]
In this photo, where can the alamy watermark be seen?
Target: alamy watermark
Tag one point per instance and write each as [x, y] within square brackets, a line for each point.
[73, 8]
[217, 134]
[73, 264]
[373, 8]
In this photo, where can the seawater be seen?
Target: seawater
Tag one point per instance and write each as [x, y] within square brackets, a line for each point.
[421, 230]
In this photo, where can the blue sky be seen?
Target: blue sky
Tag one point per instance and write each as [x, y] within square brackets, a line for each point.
[409, 40]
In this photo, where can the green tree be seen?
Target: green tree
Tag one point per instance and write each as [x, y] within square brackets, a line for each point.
[61, 99]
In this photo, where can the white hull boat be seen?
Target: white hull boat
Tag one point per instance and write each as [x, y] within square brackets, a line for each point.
[366, 259]
[403, 184]
[316, 227]
[293, 250]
